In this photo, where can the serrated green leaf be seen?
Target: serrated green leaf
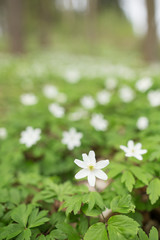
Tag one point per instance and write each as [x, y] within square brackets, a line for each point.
[142, 235]
[91, 213]
[115, 169]
[20, 214]
[122, 227]
[69, 231]
[153, 190]
[12, 230]
[57, 234]
[153, 235]
[122, 204]
[37, 218]
[140, 174]
[93, 198]
[72, 203]
[83, 224]
[96, 231]
[128, 180]
[25, 235]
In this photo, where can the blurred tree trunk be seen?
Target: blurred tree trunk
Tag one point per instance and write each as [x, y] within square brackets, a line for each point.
[151, 40]
[91, 19]
[15, 17]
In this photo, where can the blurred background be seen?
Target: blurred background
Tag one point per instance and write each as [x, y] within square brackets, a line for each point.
[107, 28]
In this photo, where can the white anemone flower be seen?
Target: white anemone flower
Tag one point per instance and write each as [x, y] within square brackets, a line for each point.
[72, 138]
[154, 98]
[103, 97]
[91, 168]
[56, 110]
[133, 150]
[111, 83]
[72, 76]
[28, 99]
[142, 123]
[50, 91]
[98, 122]
[126, 94]
[144, 84]
[88, 102]
[3, 133]
[30, 136]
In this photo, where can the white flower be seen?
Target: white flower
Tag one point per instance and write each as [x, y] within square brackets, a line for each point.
[91, 168]
[103, 97]
[98, 122]
[88, 102]
[126, 94]
[28, 99]
[3, 133]
[79, 114]
[72, 76]
[30, 136]
[154, 98]
[50, 91]
[142, 123]
[111, 83]
[72, 138]
[56, 110]
[133, 150]
[144, 84]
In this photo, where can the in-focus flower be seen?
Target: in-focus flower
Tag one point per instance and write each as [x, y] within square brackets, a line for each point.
[126, 94]
[3, 133]
[88, 102]
[103, 97]
[98, 122]
[30, 136]
[72, 76]
[144, 84]
[28, 99]
[91, 168]
[77, 115]
[142, 123]
[133, 150]
[50, 91]
[72, 138]
[154, 98]
[56, 110]
[111, 83]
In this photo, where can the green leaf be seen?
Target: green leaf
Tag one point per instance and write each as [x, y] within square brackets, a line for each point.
[140, 174]
[25, 235]
[69, 231]
[142, 235]
[96, 232]
[128, 180]
[72, 203]
[93, 198]
[122, 227]
[20, 214]
[14, 196]
[153, 190]
[57, 234]
[37, 218]
[122, 204]
[11, 231]
[115, 169]
[83, 224]
[153, 235]
[91, 213]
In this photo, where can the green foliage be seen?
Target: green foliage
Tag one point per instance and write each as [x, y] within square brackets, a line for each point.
[122, 204]
[154, 190]
[96, 231]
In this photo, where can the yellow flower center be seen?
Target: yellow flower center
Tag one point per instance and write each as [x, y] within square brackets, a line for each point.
[91, 167]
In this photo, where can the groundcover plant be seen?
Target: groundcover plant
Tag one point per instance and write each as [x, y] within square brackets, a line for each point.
[80, 155]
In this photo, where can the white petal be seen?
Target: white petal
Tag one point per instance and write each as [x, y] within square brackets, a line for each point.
[124, 148]
[91, 179]
[85, 157]
[92, 157]
[81, 174]
[138, 146]
[100, 174]
[130, 144]
[142, 151]
[81, 164]
[102, 164]
[138, 156]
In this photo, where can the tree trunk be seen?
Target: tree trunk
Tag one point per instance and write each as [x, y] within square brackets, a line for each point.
[91, 20]
[151, 41]
[15, 17]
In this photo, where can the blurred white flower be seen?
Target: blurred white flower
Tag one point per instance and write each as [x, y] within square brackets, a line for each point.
[30, 136]
[134, 150]
[56, 110]
[50, 91]
[142, 123]
[98, 122]
[154, 98]
[61, 98]
[77, 115]
[91, 168]
[126, 94]
[88, 102]
[72, 76]
[3, 133]
[28, 99]
[144, 84]
[111, 83]
[103, 97]
[72, 138]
